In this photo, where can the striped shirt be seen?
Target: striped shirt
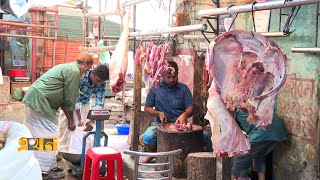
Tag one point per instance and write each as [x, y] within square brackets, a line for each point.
[88, 89]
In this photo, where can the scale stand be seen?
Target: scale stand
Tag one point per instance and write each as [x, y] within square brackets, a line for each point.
[99, 116]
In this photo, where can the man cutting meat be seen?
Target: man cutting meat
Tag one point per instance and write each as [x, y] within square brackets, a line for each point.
[58, 87]
[170, 102]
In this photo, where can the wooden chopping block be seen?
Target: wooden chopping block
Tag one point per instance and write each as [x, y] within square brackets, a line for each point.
[169, 139]
[201, 166]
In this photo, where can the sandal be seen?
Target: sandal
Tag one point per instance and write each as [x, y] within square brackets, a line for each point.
[53, 175]
[57, 169]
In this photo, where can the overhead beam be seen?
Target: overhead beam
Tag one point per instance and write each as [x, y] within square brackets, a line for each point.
[26, 36]
[259, 6]
[133, 2]
[180, 29]
[96, 49]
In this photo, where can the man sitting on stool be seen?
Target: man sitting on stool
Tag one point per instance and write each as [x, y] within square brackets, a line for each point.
[172, 101]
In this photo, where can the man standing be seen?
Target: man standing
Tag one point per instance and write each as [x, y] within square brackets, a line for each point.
[93, 83]
[172, 102]
[58, 87]
[262, 142]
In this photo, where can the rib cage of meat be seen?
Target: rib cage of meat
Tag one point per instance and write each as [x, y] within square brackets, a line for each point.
[248, 70]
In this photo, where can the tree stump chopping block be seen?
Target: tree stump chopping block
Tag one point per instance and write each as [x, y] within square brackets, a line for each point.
[201, 166]
[169, 139]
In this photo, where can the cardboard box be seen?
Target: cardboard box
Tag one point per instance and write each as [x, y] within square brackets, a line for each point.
[13, 111]
[5, 90]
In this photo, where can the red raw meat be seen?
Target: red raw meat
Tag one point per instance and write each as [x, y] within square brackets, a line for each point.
[248, 70]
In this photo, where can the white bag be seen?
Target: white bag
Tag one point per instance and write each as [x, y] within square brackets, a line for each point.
[11, 158]
[76, 139]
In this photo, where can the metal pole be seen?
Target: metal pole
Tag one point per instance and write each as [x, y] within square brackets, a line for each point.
[96, 49]
[305, 50]
[257, 7]
[180, 29]
[107, 13]
[133, 2]
[99, 22]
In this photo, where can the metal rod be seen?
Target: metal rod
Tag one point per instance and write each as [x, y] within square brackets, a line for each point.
[26, 36]
[96, 49]
[257, 7]
[317, 23]
[197, 27]
[274, 34]
[133, 2]
[305, 50]
[27, 25]
[190, 37]
[99, 14]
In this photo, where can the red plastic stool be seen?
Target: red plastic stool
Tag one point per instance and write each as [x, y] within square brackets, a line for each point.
[97, 154]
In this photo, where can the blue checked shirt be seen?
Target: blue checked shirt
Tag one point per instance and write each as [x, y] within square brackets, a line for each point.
[87, 90]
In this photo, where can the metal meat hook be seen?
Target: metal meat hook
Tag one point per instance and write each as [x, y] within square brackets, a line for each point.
[287, 25]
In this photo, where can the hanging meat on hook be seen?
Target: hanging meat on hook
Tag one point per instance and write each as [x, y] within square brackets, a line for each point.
[119, 60]
[247, 70]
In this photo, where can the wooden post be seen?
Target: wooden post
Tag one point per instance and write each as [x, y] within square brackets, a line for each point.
[198, 88]
[201, 166]
[136, 107]
[223, 168]
[169, 139]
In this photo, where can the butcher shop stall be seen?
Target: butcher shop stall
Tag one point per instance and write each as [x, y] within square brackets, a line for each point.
[195, 89]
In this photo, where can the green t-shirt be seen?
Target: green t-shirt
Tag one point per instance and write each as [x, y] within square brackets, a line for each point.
[274, 132]
[103, 55]
[57, 87]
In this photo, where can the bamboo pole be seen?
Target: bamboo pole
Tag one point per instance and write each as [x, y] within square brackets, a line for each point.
[27, 25]
[26, 36]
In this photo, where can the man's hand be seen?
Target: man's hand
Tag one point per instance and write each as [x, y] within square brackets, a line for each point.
[88, 127]
[163, 117]
[182, 119]
[71, 125]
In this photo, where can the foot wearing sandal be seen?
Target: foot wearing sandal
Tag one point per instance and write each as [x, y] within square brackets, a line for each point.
[53, 175]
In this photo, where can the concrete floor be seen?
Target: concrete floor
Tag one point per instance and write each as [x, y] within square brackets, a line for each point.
[116, 141]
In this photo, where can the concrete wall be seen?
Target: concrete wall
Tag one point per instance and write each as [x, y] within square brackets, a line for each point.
[298, 100]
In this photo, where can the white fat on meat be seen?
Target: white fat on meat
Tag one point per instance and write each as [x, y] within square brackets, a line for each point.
[227, 136]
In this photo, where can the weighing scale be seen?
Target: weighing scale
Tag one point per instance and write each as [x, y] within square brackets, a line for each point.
[99, 116]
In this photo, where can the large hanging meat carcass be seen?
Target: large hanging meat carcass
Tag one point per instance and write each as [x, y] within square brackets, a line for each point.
[247, 70]
[119, 60]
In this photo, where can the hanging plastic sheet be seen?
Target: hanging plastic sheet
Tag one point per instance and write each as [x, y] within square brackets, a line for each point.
[18, 8]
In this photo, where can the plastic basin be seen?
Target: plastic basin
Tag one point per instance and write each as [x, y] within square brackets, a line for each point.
[17, 72]
[123, 129]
